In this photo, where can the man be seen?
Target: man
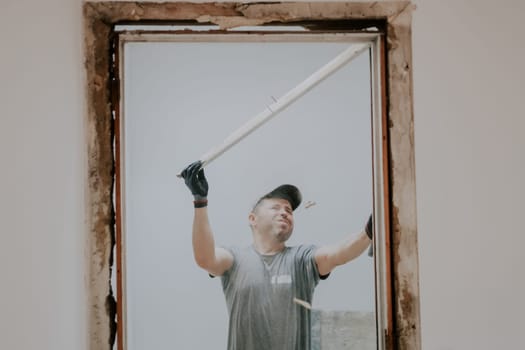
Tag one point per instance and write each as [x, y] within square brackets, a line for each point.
[261, 281]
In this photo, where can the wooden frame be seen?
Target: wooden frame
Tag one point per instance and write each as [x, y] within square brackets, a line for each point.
[397, 164]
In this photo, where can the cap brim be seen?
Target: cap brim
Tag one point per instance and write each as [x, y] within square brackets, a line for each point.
[288, 192]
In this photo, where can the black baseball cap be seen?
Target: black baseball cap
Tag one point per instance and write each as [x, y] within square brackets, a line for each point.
[288, 192]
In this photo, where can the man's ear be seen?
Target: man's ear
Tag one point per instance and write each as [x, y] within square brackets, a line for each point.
[251, 218]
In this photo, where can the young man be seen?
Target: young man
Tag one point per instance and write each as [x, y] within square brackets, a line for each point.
[261, 281]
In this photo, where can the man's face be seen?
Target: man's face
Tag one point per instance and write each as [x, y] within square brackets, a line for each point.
[273, 215]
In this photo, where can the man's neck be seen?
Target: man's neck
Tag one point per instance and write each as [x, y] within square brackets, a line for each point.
[267, 247]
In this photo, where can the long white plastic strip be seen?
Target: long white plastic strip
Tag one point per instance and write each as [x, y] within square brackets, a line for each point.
[283, 102]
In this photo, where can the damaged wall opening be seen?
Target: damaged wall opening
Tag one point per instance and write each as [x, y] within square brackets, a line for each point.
[142, 152]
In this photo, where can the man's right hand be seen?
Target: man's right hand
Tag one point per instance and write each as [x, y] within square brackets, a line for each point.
[369, 229]
[195, 180]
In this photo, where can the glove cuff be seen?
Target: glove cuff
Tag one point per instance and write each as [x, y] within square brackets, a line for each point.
[200, 203]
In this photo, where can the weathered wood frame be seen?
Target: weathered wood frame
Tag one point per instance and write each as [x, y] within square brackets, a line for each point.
[99, 21]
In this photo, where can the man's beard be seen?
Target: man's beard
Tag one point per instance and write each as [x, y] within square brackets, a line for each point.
[283, 236]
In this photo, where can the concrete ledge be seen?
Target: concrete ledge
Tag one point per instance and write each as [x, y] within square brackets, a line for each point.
[343, 330]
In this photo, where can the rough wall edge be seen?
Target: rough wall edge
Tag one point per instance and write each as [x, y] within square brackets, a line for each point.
[402, 170]
[99, 167]
[233, 14]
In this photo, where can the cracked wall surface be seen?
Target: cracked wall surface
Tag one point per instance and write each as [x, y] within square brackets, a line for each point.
[99, 19]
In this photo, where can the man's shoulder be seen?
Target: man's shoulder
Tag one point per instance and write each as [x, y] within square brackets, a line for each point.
[302, 246]
[237, 249]
[301, 249]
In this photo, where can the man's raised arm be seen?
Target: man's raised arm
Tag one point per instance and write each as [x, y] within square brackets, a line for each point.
[213, 259]
[328, 257]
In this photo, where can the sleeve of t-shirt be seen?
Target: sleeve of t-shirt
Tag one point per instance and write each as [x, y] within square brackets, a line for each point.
[306, 258]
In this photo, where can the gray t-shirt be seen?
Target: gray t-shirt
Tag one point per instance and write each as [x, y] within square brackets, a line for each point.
[259, 292]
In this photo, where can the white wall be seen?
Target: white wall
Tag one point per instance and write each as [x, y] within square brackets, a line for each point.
[469, 83]
[42, 232]
[469, 88]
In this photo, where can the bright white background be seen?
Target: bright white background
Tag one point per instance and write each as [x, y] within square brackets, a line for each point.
[468, 85]
[183, 98]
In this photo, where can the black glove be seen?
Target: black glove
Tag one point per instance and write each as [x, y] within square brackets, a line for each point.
[195, 180]
[369, 229]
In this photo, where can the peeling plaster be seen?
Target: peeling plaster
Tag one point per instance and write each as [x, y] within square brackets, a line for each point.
[99, 17]
[225, 22]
